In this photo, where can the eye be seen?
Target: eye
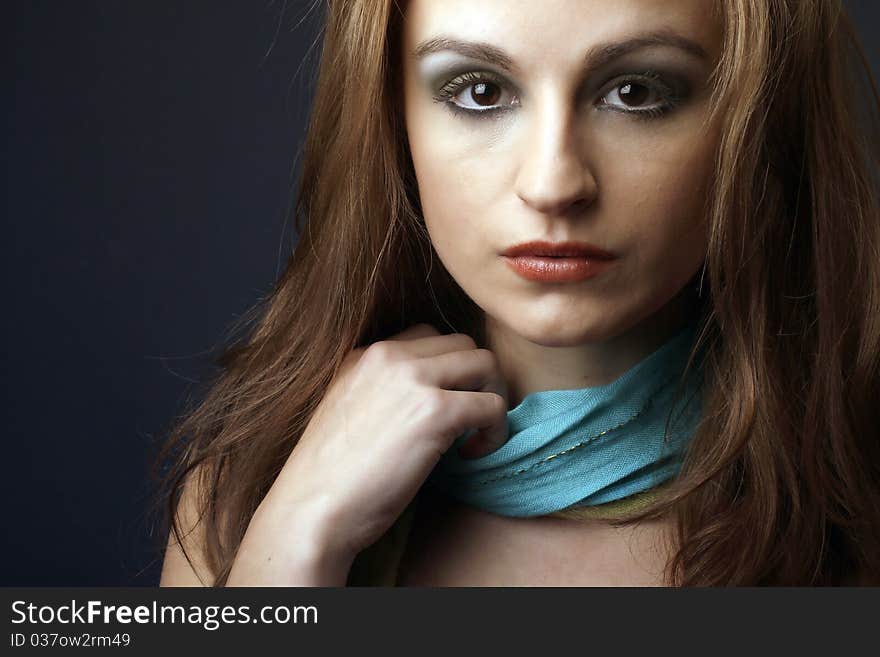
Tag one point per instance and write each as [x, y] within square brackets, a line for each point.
[477, 93]
[643, 95]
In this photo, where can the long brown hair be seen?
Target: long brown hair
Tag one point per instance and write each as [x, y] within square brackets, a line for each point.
[781, 484]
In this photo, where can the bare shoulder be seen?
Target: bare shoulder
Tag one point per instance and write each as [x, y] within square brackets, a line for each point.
[176, 568]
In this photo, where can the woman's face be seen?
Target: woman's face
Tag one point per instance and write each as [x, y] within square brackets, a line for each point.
[565, 129]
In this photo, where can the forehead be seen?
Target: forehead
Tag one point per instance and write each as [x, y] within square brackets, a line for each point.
[538, 32]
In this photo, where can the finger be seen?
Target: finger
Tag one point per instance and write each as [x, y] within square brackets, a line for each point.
[484, 441]
[415, 332]
[410, 334]
[485, 412]
[471, 369]
[423, 340]
[475, 370]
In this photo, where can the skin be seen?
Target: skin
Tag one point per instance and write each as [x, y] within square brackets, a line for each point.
[560, 163]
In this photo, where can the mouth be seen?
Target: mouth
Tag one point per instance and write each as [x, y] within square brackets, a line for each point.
[550, 255]
[558, 250]
[557, 269]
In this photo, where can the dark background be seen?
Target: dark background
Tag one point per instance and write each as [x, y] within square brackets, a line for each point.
[151, 148]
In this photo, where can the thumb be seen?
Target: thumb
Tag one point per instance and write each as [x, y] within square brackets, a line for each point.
[486, 440]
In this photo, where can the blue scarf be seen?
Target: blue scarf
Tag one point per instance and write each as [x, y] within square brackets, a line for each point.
[585, 446]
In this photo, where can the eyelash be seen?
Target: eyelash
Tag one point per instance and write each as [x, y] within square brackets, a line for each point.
[651, 79]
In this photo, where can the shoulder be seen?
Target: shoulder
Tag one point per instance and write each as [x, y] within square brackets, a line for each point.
[177, 569]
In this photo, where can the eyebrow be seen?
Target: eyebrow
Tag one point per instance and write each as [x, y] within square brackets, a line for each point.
[595, 58]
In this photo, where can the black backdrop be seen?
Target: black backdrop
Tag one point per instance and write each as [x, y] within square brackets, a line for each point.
[151, 146]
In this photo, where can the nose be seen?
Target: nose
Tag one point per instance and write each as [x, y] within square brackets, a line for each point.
[553, 175]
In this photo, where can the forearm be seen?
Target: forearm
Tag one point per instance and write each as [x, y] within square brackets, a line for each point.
[281, 548]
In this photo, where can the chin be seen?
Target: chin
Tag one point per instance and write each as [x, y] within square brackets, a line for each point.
[564, 330]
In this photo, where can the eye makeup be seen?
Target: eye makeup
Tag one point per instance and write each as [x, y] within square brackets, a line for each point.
[470, 80]
[668, 93]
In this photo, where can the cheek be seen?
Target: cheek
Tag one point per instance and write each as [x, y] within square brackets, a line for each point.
[446, 207]
[456, 190]
[459, 178]
[661, 204]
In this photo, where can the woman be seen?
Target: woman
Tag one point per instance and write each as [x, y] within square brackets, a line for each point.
[622, 256]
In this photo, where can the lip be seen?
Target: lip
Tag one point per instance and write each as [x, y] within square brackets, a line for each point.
[558, 249]
[559, 262]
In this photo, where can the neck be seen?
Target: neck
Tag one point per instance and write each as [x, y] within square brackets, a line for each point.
[528, 365]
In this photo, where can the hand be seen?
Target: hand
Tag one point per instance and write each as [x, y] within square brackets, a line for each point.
[387, 417]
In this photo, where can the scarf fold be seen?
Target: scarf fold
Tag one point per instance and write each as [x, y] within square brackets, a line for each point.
[586, 446]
